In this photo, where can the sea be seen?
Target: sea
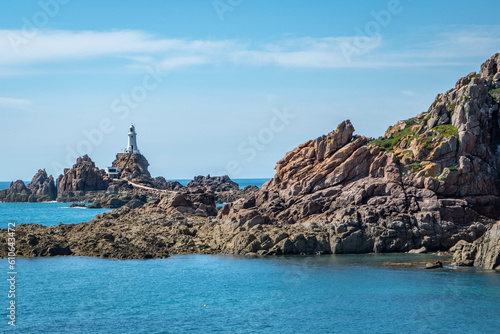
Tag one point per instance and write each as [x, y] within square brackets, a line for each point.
[368, 293]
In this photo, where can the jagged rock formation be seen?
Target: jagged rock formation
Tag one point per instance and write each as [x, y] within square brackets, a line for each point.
[43, 186]
[83, 177]
[17, 192]
[428, 182]
[484, 252]
[137, 166]
[213, 184]
[41, 189]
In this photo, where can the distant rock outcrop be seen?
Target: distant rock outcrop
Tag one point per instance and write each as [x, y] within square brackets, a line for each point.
[136, 167]
[84, 176]
[215, 183]
[17, 192]
[43, 186]
[429, 182]
[41, 189]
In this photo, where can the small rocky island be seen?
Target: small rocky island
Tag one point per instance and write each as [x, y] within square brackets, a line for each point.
[431, 183]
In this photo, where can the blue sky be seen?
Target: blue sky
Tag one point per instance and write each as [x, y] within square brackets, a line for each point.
[223, 86]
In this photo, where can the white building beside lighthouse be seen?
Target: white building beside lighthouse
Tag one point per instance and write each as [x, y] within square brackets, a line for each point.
[132, 141]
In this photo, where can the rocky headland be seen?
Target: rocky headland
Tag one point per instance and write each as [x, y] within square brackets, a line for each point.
[431, 183]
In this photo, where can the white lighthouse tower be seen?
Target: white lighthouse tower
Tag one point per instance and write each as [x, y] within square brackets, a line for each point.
[132, 141]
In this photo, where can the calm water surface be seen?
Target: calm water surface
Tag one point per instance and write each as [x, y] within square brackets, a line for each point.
[231, 294]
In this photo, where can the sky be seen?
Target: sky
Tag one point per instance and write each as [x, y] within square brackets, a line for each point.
[225, 86]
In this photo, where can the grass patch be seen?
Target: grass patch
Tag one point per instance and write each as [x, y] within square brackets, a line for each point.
[446, 130]
[495, 94]
[453, 168]
[408, 152]
[410, 122]
[415, 167]
[387, 144]
[440, 131]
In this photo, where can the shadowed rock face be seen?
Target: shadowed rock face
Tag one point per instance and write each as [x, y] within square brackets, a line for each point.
[84, 176]
[428, 182]
[484, 252]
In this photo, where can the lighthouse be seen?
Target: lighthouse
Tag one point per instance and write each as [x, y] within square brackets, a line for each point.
[132, 141]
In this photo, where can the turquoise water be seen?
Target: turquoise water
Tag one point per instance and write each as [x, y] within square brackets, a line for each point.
[47, 213]
[311, 294]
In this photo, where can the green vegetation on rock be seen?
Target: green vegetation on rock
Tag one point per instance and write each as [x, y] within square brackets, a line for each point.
[387, 144]
[415, 167]
[495, 93]
[446, 130]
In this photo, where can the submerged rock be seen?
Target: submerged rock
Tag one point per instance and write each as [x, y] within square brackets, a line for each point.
[433, 265]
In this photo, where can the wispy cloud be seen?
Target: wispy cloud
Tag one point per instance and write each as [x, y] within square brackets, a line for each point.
[15, 103]
[452, 46]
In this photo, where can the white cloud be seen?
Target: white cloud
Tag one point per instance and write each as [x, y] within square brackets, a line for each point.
[16, 103]
[456, 45]
[408, 92]
[141, 48]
